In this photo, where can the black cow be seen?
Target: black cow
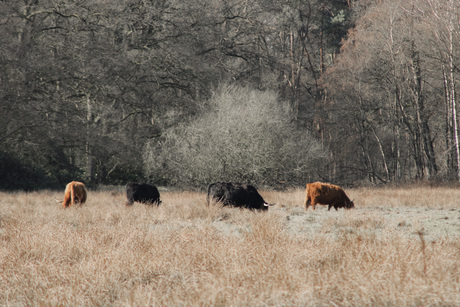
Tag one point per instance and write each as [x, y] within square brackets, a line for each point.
[143, 193]
[237, 195]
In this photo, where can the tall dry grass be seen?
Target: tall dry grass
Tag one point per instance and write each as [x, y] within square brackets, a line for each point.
[399, 247]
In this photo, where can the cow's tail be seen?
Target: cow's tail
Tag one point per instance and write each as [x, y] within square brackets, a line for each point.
[72, 195]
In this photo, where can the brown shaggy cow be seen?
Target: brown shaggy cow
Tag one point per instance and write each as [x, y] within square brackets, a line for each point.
[319, 193]
[75, 192]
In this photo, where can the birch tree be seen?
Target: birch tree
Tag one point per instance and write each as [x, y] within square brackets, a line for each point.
[443, 17]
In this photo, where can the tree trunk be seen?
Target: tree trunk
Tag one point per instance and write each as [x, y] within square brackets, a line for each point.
[382, 153]
[423, 133]
[452, 87]
[451, 155]
[89, 157]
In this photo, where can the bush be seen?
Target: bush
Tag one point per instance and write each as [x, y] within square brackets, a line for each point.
[242, 135]
[15, 175]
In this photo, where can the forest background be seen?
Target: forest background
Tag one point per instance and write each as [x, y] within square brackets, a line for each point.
[184, 93]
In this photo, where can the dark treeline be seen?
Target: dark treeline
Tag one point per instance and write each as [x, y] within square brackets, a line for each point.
[189, 92]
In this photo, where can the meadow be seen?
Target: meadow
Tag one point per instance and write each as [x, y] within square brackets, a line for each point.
[398, 247]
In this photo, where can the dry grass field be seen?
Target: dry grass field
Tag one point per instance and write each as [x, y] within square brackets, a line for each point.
[399, 247]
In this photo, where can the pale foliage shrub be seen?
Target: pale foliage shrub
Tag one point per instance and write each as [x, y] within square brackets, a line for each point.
[185, 253]
[242, 135]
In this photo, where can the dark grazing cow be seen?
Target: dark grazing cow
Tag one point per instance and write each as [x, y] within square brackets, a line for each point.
[142, 193]
[319, 193]
[237, 195]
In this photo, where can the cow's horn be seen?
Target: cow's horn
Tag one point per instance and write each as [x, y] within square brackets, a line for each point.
[268, 205]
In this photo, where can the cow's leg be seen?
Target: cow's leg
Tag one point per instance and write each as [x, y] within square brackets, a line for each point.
[329, 208]
[72, 196]
[314, 202]
[66, 202]
[307, 203]
[83, 199]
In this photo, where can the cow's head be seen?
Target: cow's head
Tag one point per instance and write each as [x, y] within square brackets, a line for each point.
[350, 205]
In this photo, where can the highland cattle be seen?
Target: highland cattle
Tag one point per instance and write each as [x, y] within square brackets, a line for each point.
[75, 192]
[236, 195]
[319, 193]
[143, 193]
